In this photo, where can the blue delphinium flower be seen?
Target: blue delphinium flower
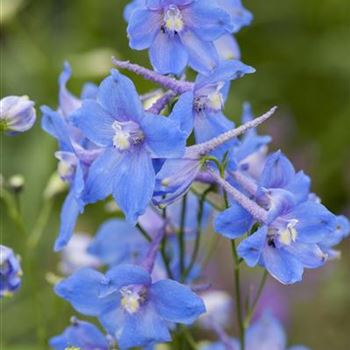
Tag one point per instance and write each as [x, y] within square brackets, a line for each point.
[10, 272]
[265, 334]
[116, 242]
[130, 138]
[293, 226]
[75, 155]
[17, 114]
[178, 32]
[289, 243]
[202, 108]
[135, 311]
[81, 335]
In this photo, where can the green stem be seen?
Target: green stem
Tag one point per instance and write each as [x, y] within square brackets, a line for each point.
[182, 243]
[144, 233]
[189, 339]
[238, 296]
[251, 310]
[198, 233]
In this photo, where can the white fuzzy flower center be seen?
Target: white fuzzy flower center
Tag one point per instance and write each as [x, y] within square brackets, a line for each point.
[289, 234]
[130, 301]
[173, 20]
[126, 134]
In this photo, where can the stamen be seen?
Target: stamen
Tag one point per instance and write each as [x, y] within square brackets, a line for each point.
[173, 20]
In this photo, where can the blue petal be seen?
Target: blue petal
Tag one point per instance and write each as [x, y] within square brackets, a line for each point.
[89, 91]
[71, 209]
[143, 27]
[182, 112]
[175, 302]
[266, 334]
[227, 47]
[233, 222]
[68, 103]
[252, 247]
[207, 20]
[300, 186]
[133, 183]
[102, 172]
[225, 71]
[315, 222]
[175, 179]
[278, 171]
[163, 137]
[95, 123]
[124, 275]
[203, 56]
[139, 329]
[283, 266]
[131, 7]
[81, 334]
[81, 290]
[55, 125]
[118, 95]
[167, 54]
[118, 242]
[208, 125]
[310, 255]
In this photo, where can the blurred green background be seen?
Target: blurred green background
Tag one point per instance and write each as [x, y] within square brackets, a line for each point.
[301, 51]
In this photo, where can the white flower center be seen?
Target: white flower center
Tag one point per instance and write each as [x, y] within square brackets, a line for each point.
[289, 234]
[173, 19]
[215, 100]
[126, 134]
[130, 301]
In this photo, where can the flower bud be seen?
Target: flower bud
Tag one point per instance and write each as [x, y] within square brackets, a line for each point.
[16, 183]
[10, 271]
[17, 114]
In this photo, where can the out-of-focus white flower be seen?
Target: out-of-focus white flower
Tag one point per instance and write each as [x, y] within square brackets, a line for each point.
[218, 304]
[75, 255]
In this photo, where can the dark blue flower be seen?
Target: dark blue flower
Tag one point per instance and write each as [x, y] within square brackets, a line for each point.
[130, 138]
[131, 308]
[81, 335]
[17, 114]
[10, 272]
[178, 32]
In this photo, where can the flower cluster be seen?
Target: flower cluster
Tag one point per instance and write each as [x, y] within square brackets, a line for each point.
[172, 161]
